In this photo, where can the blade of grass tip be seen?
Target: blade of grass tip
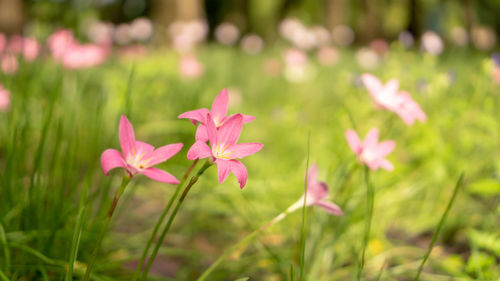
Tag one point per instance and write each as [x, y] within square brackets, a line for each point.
[303, 232]
[128, 91]
[292, 272]
[77, 234]
[6, 253]
[370, 197]
[440, 225]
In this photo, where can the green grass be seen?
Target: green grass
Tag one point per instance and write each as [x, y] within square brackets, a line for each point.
[54, 197]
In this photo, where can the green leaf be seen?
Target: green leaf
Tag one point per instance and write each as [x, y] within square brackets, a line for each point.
[485, 187]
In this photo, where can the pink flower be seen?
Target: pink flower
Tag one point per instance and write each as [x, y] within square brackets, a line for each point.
[190, 67]
[15, 45]
[139, 157]
[218, 114]
[59, 42]
[4, 99]
[84, 56]
[387, 97]
[224, 149]
[370, 152]
[31, 49]
[9, 64]
[317, 191]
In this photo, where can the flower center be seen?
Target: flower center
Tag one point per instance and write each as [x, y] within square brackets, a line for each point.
[221, 152]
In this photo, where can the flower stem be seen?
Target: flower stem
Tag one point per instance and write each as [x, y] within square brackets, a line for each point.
[119, 192]
[245, 240]
[193, 180]
[439, 226]
[370, 196]
[303, 232]
[161, 219]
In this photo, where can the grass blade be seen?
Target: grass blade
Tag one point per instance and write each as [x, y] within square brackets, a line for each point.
[303, 233]
[439, 226]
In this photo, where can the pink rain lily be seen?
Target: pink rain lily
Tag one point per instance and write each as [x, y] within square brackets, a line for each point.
[370, 152]
[84, 56]
[387, 97]
[31, 49]
[218, 114]
[139, 157]
[9, 64]
[317, 191]
[4, 99]
[224, 149]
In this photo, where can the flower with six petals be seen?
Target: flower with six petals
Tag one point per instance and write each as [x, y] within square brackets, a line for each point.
[370, 152]
[138, 157]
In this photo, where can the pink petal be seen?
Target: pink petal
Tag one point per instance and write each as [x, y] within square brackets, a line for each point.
[312, 174]
[392, 86]
[127, 137]
[371, 138]
[223, 169]
[199, 150]
[353, 141]
[240, 172]
[159, 175]
[371, 83]
[229, 133]
[241, 150]
[385, 164]
[163, 153]
[386, 147]
[201, 133]
[220, 105]
[248, 118]
[198, 115]
[316, 191]
[110, 159]
[211, 130]
[142, 148]
[330, 208]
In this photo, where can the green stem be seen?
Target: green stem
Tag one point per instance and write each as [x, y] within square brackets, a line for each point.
[193, 180]
[161, 219]
[439, 226]
[119, 192]
[303, 232]
[245, 240]
[370, 196]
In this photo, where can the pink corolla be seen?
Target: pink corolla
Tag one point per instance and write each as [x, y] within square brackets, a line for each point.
[84, 56]
[317, 192]
[224, 149]
[31, 49]
[387, 97]
[370, 152]
[4, 99]
[138, 157]
[190, 67]
[218, 115]
[59, 42]
[9, 64]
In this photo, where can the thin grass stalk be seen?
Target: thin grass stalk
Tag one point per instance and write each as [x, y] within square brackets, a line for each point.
[304, 213]
[162, 219]
[119, 192]
[439, 226]
[370, 196]
[3, 276]
[6, 253]
[193, 180]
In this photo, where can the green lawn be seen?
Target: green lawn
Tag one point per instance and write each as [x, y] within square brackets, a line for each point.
[61, 121]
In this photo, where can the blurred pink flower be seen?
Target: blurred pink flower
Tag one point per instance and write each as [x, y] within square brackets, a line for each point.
[4, 99]
[295, 57]
[139, 157]
[387, 97]
[84, 56]
[190, 67]
[317, 191]
[9, 64]
[218, 113]
[59, 42]
[31, 49]
[327, 56]
[370, 152]
[224, 149]
[15, 45]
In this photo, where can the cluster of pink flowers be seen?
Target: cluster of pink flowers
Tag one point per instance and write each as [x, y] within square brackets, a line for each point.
[370, 152]
[16, 45]
[65, 49]
[221, 131]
